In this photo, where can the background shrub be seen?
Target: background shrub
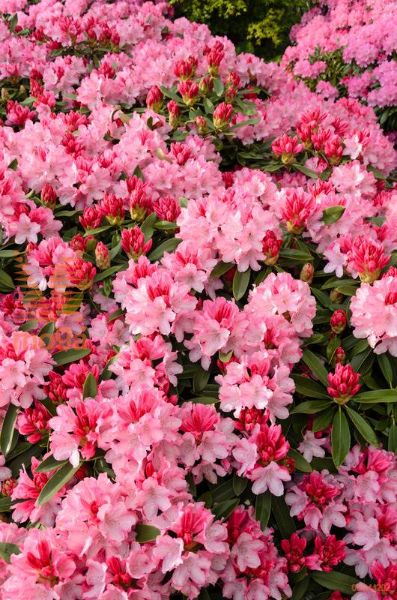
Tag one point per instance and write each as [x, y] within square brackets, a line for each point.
[254, 26]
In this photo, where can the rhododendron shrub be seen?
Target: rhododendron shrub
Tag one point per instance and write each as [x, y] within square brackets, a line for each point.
[197, 319]
[349, 48]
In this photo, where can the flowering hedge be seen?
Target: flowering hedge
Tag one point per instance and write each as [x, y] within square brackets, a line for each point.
[198, 319]
[349, 48]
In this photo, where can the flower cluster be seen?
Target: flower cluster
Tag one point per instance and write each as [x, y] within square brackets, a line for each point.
[343, 47]
[196, 317]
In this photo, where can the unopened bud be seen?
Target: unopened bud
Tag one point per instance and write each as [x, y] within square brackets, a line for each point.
[307, 273]
[102, 257]
[338, 320]
[154, 99]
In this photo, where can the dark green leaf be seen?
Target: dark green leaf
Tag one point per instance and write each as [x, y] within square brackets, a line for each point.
[285, 522]
[147, 226]
[108, 272]
[362, 426]
[7, 550]
[50, 464]
[263, 506]
[7, 430]
[67, 356]
[57, 481]
[316, 366]
[90, 388]
[305, 171]
[324, 419]
[335, 581]
[311, 407]
[167, 246]
[299, 589]
[219, 88]
[200, 379]
[392, 441]
[5, 504]
[295, 255]
[300, 462]
[308, 387]
[340, 437]
[146, 533]
[332, 214]
[221, 268]
[9, 253]
[224, 509]
[239, 484]
[240, 283]
[376, 396]
[205, 400]
[386, 367]
[6, 283]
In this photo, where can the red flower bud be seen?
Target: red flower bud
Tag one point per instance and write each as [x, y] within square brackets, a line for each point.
[102, 257]
[307, 273]
[343, 383]
[81, 273]
[154, 99]
[222, 115]
[338, 320]
[48, 196]
[133, 243]
[189, 90]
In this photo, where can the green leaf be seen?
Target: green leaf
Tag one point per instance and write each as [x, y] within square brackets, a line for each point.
[67, 356]
[241, 283]
[5, 504]
[310, 407]
[6, 283]
[375, 396]
[299, 589]
[308, 387]
[224, 509]
[316, 366]
[332, 214]
[223, 491]
[386, 367]
[7, 550]
[263, 506]
[324, 419]
[167, 246]
[296, 255]
[57, 481]
[340, 437]
[147, 226]
[9, 253]
[339, 582]
[205, 400]
[362, 426]
[166, 226]
[108, 272]
[300, 462]
[305, 171]
[97, 230]
[50, 464]
[392, 440]
[7, 430]
[285, 523]
[90, 388]
[219, 88]
[244, 124]
[221, 268]
[200, 379]
[146, 533]
[29, 325]
[239, 484]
